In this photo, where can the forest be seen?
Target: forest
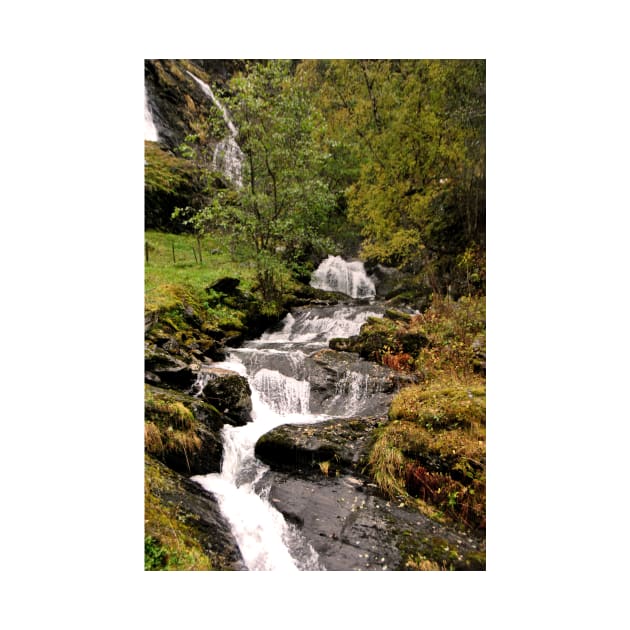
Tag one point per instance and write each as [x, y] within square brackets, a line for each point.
[390, 154]
[257, 172]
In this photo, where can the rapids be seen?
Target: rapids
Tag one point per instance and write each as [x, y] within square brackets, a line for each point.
[278, 366]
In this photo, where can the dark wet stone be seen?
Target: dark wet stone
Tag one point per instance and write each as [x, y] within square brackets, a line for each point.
[341, 443]
[207, 427]
[230, 393]
[333, 375]
[168, 369]
[353, 528]
[224, 285]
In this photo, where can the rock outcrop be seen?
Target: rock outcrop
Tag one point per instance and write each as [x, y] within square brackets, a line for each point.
[333, 446]
[190, 514]
[229, 392]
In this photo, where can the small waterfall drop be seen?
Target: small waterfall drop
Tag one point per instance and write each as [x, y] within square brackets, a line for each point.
[150, 130]
[336, 274]
[228, 157]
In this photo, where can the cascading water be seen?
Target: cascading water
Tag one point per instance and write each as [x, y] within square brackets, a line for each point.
[336, 274]
[277, 368]
[228, 157]
[150, 130]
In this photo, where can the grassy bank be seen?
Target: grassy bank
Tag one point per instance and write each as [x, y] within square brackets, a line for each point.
[182, 265]
[431, 453]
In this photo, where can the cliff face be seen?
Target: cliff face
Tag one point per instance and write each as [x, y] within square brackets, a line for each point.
[176, 107]
[176, 100]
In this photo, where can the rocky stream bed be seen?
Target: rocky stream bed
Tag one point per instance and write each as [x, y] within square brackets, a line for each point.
[314, 473]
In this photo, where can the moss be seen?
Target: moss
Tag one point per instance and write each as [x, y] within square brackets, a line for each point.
[170, 543]
[170, 428]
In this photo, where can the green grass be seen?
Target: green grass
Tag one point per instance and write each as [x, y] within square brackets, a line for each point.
[167, 283]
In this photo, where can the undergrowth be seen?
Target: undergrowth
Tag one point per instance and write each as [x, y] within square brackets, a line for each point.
[432, 450]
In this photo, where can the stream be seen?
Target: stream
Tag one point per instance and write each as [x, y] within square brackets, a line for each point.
[278, 367]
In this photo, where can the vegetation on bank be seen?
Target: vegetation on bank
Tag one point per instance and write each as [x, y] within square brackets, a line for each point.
[170, 544]
[432, 451]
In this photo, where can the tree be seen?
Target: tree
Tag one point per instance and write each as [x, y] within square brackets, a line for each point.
[279, 210]
[416, 131]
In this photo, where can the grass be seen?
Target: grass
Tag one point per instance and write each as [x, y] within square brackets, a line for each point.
[169, 427]
[432, 450]
[168, 283]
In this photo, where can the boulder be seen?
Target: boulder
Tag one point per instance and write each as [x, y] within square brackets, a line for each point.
[161, 366]
[353, 527]
[342, 383]
[183, 432]
[227, 285]
[229, 392]
[322, 448]
[185, 506]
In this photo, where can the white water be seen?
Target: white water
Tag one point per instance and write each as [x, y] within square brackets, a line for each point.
[150, 130]
[228, 157]
[262, 534]
[266, 541]
[336, 274]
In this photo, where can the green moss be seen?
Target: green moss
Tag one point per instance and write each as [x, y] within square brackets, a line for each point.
[170, 543]
[170, 427]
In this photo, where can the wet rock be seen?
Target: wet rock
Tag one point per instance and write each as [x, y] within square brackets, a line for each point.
[230, 393]
[197, 510]
[353, 528]
[307, 295]
[323, 448]
[227, 285]
[397, 316]
[200, 450]
[386, 279]
[168, 369]
[343, 383]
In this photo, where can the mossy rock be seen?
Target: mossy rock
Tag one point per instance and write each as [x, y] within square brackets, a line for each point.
[338, 445]
[184, 529]
[230, 393]
[183, 432]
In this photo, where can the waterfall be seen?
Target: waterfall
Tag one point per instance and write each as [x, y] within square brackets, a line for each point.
[277, 368]
[336, 274]
[266, 541]
[228, 157]
[282, 393]
[150, 130]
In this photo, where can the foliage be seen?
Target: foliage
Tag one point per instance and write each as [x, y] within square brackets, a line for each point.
[433, 449]
[162, 171]
[155, 556]
[456, 337]
[170, 284]
[168, 181]
[443, 404]
[279, 211]
[413, 133]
